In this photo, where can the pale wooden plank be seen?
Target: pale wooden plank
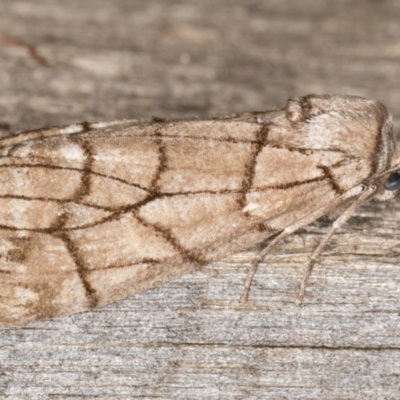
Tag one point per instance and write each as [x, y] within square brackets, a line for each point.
[190, 339]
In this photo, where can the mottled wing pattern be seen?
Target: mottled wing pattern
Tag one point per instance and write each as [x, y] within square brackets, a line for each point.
[93, 213]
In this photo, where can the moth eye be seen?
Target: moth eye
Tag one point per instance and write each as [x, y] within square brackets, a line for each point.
[393, 182]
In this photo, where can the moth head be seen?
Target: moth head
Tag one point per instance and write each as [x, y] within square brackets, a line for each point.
[385, 159]
[393, 181]
[389, 182]
[392, 184]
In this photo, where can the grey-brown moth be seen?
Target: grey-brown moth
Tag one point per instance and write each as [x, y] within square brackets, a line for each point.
[94, 212]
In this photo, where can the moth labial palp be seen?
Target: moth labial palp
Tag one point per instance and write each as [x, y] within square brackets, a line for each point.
[95, 212]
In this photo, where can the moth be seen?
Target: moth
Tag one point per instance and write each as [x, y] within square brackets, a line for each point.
[94, 212]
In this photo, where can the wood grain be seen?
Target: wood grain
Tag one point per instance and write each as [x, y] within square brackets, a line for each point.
[190, 339]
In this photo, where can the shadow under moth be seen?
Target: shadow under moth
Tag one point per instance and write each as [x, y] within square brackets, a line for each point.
[94, 212]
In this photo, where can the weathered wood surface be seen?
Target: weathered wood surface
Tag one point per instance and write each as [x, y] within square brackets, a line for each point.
[190, 339]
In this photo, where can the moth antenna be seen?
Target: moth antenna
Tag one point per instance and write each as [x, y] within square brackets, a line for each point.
[394, 168]
[301, 223]
[321, 247]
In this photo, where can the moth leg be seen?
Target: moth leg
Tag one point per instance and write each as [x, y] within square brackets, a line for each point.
[320, 248]
[256, 262]
[301, 223]
[278, 239]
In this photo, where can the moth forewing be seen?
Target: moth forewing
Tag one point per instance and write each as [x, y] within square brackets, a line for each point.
[92, 213]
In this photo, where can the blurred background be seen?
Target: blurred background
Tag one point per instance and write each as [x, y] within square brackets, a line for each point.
[114, 59]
